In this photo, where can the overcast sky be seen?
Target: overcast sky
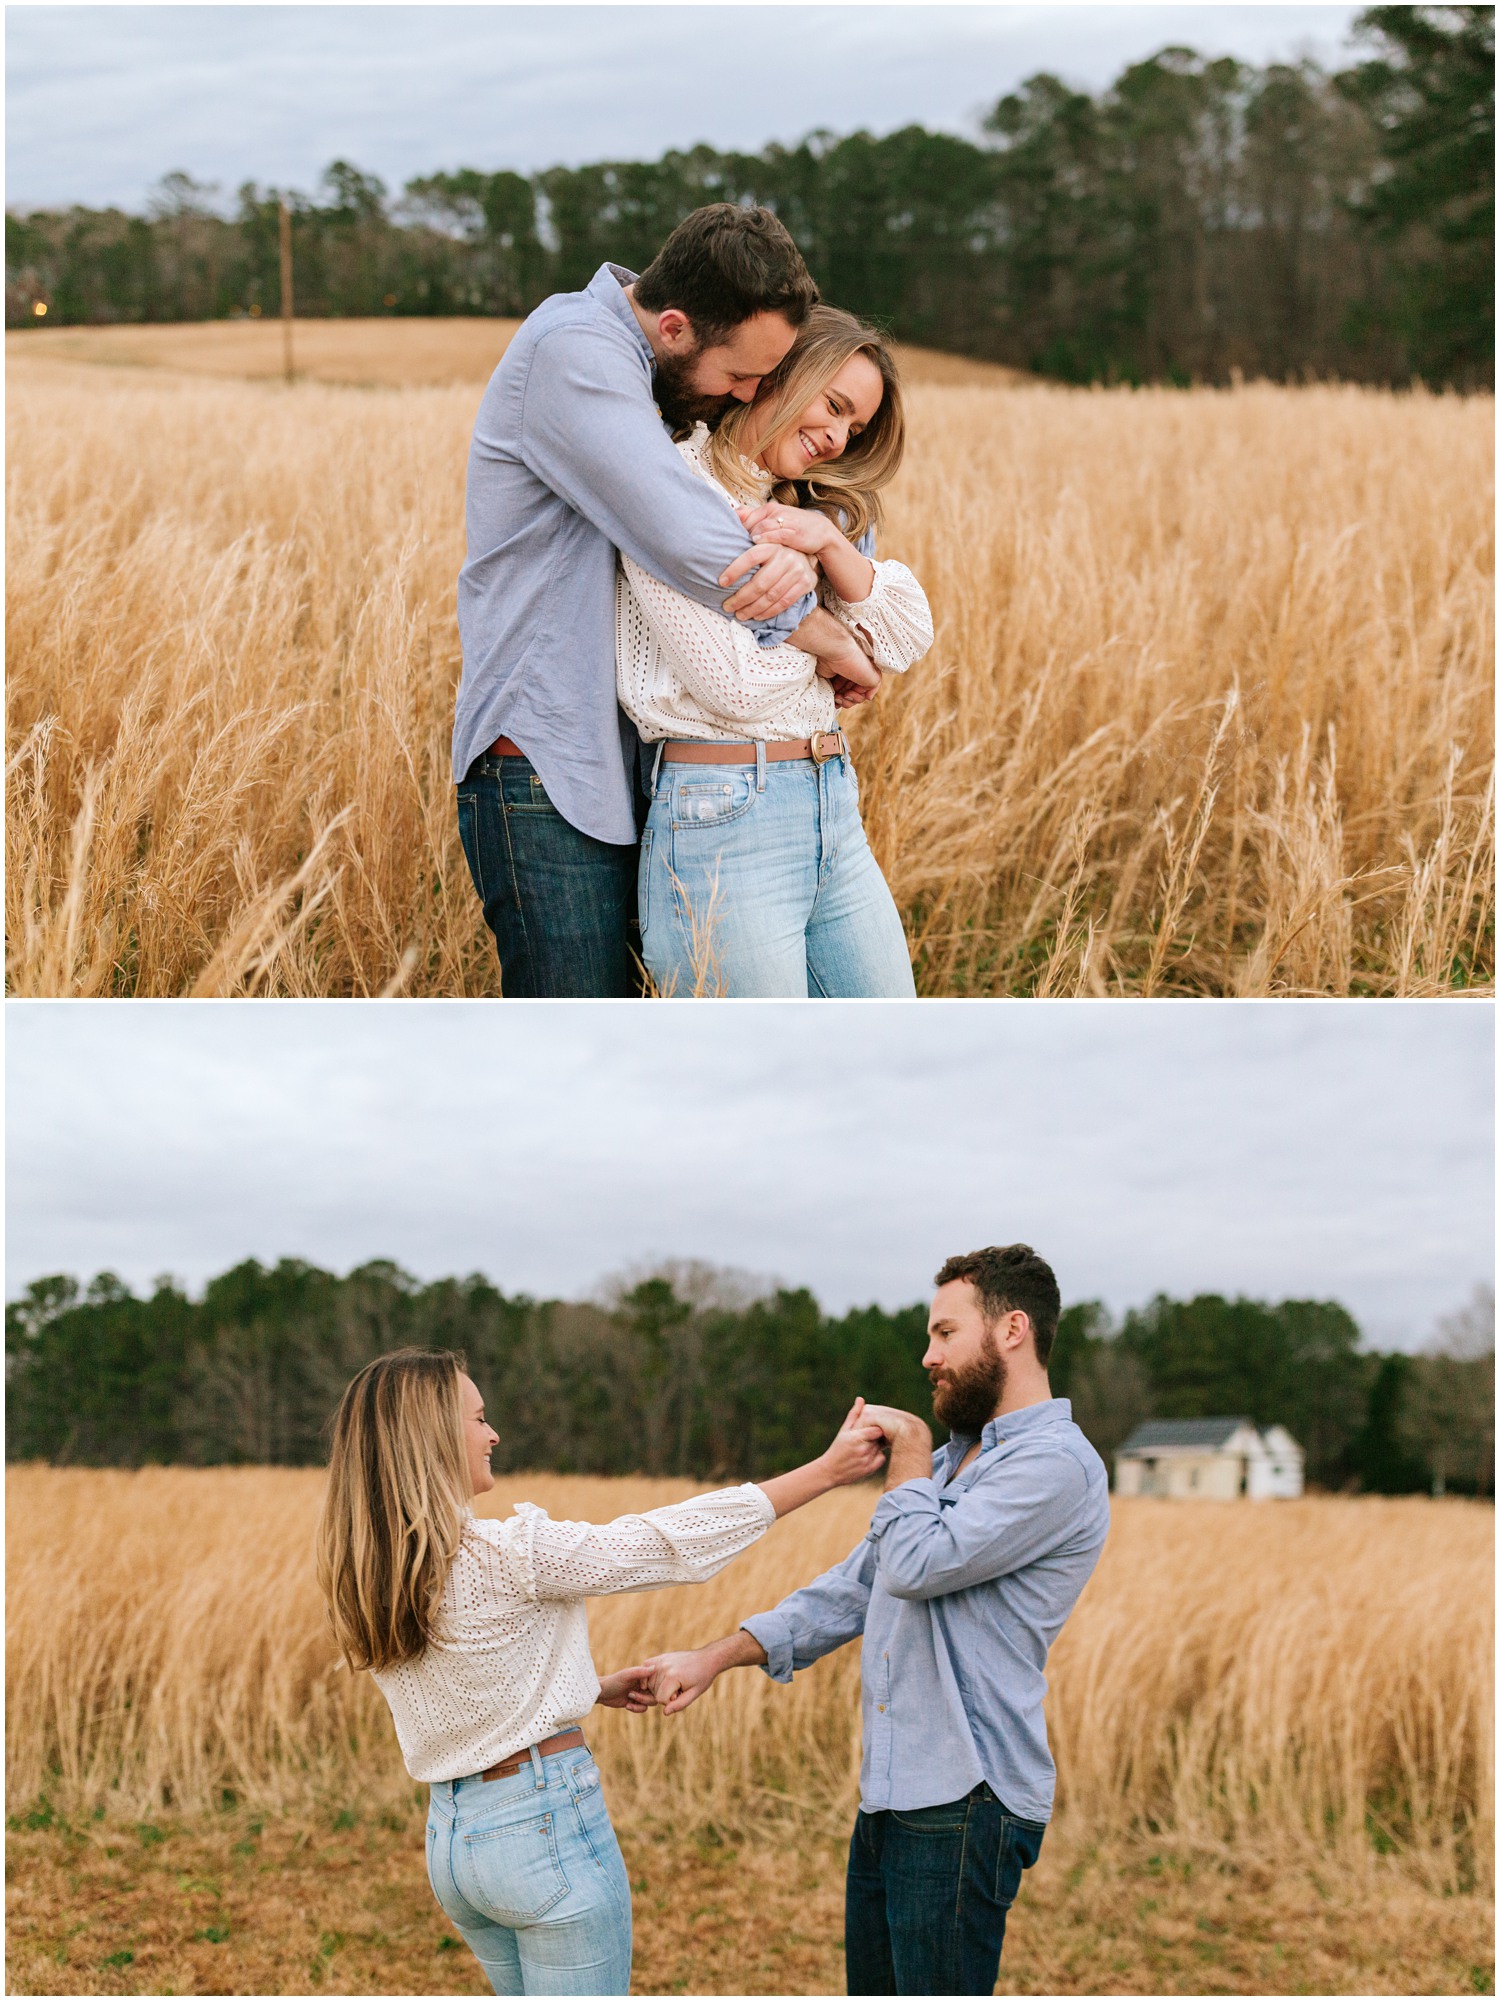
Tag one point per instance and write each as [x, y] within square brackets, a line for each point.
[102, 101]
[1280, 1150]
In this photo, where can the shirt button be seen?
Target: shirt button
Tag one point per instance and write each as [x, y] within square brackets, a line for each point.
[881, 1707]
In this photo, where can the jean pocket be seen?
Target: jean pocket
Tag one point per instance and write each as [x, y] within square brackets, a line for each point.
[517, 1872]
[1020, 1845]
[710, 803]
[584, 1777]
[524, 792]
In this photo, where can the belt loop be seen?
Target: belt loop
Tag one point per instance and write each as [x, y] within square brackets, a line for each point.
[656, 765]
[760, 765]
[536, 1766]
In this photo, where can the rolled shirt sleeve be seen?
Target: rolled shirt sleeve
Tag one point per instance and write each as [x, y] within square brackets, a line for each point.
[817, 1619]
[925, 1550]
[589, 434]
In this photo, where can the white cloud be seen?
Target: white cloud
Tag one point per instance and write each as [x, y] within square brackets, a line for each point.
[1323, 1149]
[103, 100]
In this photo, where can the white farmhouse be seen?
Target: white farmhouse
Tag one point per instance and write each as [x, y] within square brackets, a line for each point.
[1209, 1459]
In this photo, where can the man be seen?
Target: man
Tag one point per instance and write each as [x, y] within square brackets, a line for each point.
[959, 1589]
[571, 460]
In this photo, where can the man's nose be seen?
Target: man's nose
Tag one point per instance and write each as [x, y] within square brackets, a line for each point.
[746, 392]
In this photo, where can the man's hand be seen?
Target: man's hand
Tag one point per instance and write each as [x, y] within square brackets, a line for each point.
[782, 576]
[909, 1440]
[850, 664]
[679, 1679]
[627, 1688]
[849, 694]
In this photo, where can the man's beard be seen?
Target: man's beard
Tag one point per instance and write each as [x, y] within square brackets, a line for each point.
[682, 405]
[965, 1401]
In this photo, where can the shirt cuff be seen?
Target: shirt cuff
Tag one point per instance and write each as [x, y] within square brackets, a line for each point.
[912, 1497]
[762, 1501]
[775, 1635]
[856, 607]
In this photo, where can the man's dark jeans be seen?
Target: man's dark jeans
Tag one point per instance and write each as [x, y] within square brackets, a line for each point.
[927, 1893]
[560, 903]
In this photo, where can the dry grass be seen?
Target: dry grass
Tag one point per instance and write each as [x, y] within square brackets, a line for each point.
[1210, 709]
[1272, 1726]
[389, 354]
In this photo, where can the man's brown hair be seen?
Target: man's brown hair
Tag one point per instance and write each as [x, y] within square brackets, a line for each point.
[722, 265]
[1011, 1278]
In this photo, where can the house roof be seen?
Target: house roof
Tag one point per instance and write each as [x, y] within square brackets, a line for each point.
[1208, 1432]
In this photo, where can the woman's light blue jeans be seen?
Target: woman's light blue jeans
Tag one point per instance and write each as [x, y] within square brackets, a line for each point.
[756, 880]
[529, 1870]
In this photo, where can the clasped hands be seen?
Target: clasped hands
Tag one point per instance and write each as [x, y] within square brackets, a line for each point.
[671, 1682]
[784, 552]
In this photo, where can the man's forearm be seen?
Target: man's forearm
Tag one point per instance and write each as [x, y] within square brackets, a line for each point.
[736, 1649]
[911, 1455]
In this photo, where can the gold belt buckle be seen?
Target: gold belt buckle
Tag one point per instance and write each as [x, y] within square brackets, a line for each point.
[816, 742]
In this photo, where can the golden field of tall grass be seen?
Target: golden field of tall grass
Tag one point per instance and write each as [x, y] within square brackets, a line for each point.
[1302, 1688]
[1209, 710]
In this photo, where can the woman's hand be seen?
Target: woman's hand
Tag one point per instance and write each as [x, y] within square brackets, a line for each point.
[855, 1453]
[806, 529]
[801, 528]
[627, 1688]
[858, 1448]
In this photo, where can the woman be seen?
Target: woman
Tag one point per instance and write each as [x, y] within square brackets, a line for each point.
[755, 874]
[476, 1634]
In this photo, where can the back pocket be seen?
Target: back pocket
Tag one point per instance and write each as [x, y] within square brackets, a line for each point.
[516, 1871]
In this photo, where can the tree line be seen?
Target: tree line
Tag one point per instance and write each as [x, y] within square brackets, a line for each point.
[690, 1372]
[1195, 218]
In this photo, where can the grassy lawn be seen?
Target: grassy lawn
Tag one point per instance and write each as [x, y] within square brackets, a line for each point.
[253, 1904]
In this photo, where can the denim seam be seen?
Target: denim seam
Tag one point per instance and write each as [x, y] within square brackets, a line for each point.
[643, 884]
[478, 866]
[583, 1826]
[515, 893]
[963, 1864]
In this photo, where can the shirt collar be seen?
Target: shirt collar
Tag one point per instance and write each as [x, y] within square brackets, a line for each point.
[1015, 1423]
[608, 286]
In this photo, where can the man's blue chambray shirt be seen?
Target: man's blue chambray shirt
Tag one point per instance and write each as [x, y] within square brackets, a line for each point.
[570, 461]
[959, 1589]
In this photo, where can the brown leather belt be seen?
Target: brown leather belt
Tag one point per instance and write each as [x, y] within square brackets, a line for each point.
[503, 747]
[563, 1741]
[820, 748]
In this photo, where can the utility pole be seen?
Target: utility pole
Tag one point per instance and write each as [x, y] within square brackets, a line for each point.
[286, 284]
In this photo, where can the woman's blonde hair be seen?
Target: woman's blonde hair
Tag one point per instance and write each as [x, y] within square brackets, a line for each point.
[393, 1514]
[846, 489]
